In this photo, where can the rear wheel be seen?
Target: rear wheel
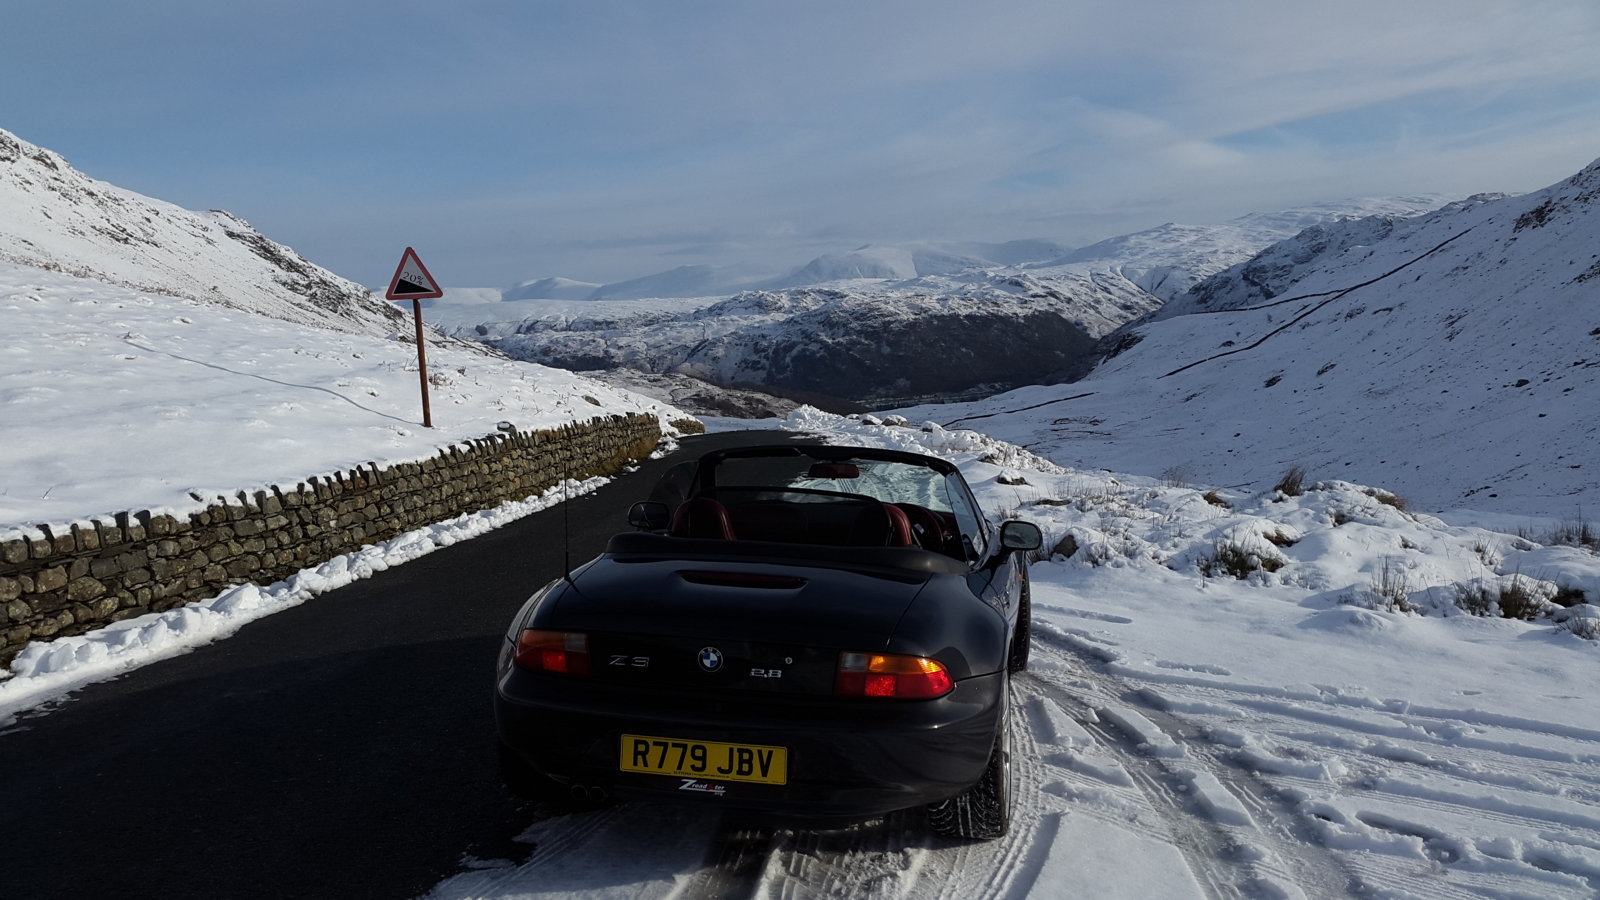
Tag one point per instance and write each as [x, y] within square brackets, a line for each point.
[983, 811]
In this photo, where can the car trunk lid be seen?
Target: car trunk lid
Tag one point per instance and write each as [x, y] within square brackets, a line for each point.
[718, 625]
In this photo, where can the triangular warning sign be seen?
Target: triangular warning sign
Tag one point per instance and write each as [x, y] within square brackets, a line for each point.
[412, 281]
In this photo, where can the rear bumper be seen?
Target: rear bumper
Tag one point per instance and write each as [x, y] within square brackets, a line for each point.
[846, 757]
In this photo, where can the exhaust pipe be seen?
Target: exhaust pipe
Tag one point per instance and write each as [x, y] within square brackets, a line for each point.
[588, 793]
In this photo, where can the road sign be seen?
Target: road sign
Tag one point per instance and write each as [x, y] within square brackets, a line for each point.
[411, 280]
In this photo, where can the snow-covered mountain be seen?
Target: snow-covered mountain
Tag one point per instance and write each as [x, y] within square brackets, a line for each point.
[55, 217]
[1166, 260]
[1170, 259]
[551, 289]
[875, 262]
[936, 336]
[772, 335]
[684, 281]
[1273, 271]
[1454, 359]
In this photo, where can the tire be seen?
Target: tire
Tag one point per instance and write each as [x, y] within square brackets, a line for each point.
[1022, 640]
[983, 811]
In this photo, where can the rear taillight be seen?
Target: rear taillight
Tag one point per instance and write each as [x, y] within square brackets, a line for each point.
[891, 676]
[561, 652]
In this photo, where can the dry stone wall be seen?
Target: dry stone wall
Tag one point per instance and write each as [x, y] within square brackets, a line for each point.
[75, 578]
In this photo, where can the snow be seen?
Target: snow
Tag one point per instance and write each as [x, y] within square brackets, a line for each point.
[1164, 260]
[55, 217]
[1169, 259]
[1285, 734]
[795, 338]
[117, 400]
[1466, 380]
[1185, 735]
[1333, 723]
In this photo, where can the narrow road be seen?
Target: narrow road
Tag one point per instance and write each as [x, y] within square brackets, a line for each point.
[343, 748]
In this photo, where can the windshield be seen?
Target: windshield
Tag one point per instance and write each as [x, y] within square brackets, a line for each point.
[944, 516]
[883, 480]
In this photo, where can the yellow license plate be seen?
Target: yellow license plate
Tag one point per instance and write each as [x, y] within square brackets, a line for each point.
[705, 759]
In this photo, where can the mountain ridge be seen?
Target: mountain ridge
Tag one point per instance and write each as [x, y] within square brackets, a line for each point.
[1165, 260]
[54, 217]
[1454, 360]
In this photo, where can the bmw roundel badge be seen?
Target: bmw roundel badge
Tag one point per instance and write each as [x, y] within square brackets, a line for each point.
[710, 659]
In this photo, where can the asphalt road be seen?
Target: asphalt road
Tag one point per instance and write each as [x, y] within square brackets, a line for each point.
[343, 748]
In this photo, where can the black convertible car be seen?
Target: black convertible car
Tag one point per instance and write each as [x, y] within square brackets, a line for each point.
[807, 630]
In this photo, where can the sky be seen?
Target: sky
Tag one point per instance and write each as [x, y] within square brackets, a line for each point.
[601, 141]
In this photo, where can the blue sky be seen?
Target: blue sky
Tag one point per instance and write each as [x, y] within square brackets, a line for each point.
[607, 140]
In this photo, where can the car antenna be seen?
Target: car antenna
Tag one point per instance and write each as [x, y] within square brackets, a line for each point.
[566, 530]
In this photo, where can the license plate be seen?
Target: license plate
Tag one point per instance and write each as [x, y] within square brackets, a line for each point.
[705, 759]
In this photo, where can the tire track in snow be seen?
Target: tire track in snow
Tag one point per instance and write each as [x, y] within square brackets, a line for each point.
[1394, 761]
[1211, 855]
[872, 859]
[736, 857]
[1519, 791]
[1539, 742]
[1240, 837]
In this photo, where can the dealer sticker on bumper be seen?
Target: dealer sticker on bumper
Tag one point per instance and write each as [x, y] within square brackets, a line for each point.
[705, 759]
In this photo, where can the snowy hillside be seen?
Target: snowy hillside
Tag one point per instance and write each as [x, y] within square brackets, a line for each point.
[1170, 259]
[54, 217]
[684, 281]
[551, 289]
[1274, 270]
[865, 343]
[1455, 362]
[116, 399]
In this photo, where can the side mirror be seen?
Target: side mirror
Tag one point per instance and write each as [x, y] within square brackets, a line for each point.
[1019, 535]
[648, 515]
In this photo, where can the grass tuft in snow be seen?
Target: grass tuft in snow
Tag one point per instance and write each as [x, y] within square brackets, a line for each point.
[1293, 482]
[1518, 602]
[1577, 533]
[1389, 586]
[1233, 558]
[1514, 597]
[1388, 499]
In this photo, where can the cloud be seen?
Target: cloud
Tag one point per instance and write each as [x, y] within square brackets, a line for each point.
[608, 140]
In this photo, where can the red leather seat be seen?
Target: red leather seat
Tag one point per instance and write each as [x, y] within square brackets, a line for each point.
[927, 529]
[881, 525]
[701, 517]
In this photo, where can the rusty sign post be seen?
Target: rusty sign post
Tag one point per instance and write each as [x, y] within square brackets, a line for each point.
[412, 282]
